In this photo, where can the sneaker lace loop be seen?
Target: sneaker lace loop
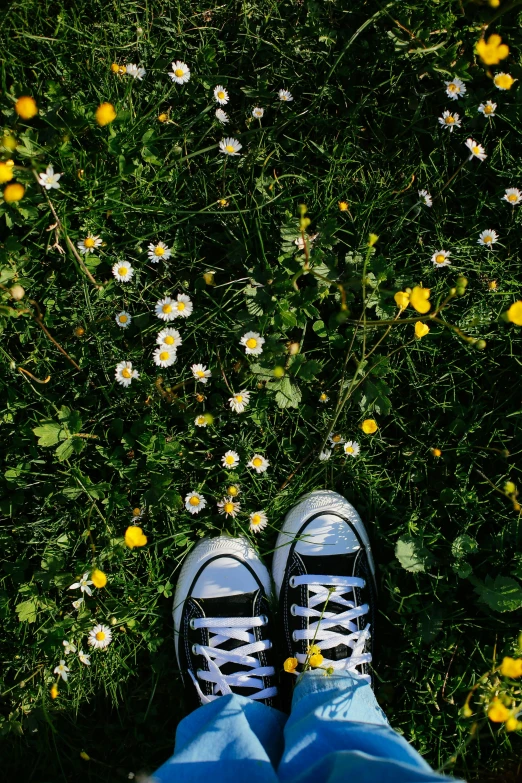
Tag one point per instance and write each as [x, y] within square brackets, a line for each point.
[333, 590]
[221, 630]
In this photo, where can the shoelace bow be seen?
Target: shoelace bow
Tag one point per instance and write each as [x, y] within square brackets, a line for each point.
[319, 630]
[222, 629]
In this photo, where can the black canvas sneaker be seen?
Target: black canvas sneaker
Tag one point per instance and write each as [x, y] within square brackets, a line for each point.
[221, 623]
[325, 581]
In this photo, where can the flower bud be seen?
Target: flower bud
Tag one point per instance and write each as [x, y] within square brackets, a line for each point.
[480, 344]
[17, 292]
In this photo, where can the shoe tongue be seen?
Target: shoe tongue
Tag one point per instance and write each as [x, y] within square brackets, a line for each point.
[241, 605]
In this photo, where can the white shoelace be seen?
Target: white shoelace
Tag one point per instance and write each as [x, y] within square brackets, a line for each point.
[224, 628]
[319, 630]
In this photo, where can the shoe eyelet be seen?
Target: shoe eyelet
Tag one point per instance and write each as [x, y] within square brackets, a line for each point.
[269, 646]
[194, 649]
[264, 619]
[293, 637]
[291, 581]
[292, 609]
[192, 624]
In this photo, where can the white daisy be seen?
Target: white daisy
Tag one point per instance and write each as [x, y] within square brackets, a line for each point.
[159, 251]
[201, 420]
[324, 455]
[122, 271]
[285, 95]
[230, 460]
[183, 306]
[253, 343]
[49, 179]
[239, 401]
[336, 439]
[450, 120]
[61, 670]
[100, 637]
[83, 584]
[169, 337]
[488, 238]
[200, 373]
[323, 397]
[76, 604]
[89, 244]
[125, 374]
[136, 71]
[258, 521]
[351, 448]
[220, 95]
[230, 146]
[180, 72]
[488, 109]
[164, 309]
[441, 258]
[123, 319]
[259, 463]
[164, 356]
[455, 88]
[512, 196]
[426, 198]
[69, 647]
[229, 507]
[476, 149]
[84, 658]
[194, 502]
[257, 112]
[222, 116]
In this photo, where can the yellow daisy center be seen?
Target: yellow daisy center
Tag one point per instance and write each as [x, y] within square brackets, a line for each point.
[194, 501]
[257, 461]
[89, 242]
[201, 419]
[256, 519]
[228, 508]
[200, 373]
[439, 258]
[122, 271]
[221, 95]
[122, 319]
[232, 491]
[488, 238]
[158, 251]
[169, 340]
[336, 438]
[283, 97]
[475, 150]
[238, 398]
[488, 109]
[166, 308]
[181, 306]
[126, 372]
[323, 397]
[100, 636]
[251, 342]
[450, 120]
[452, 87]
[164, 355]
[349, 449]
[512, 197]
[230, 148]
[229, 459]
[179, 72]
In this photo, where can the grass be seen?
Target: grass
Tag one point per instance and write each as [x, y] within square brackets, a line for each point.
[368, 87]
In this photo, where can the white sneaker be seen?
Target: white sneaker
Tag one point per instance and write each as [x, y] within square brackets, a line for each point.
[221, 622]
[323, 556]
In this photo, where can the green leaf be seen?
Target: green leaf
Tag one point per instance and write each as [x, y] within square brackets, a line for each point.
[49, 433]
[411, 554]
[501, 594]
[65, 450]
[319, 328]
[463, 545]
[289, 395]
[27, 611]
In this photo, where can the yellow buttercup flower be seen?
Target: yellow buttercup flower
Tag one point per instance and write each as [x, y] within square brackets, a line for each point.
[134, 537]
[98, 578]
[6, 172]
[343, 206]
[369, 426]
[511, 667]
[290, 665]
[115, 67]
[54, 691]
[504, 81]
[402, 299]
[9, 142]
[26, 107]
[512, 724]
[514, 314]
[316, 660]
[492, 51]
[105, 113]
[436, 452]
[163, 117]
[14, 192]
[419, 299]
[421, 330]
[497, 712]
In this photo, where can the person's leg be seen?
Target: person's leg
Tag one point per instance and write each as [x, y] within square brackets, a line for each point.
[230, 739]
[337, 732]
[222, 626]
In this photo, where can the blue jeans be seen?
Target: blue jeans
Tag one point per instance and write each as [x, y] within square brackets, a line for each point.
[336, 733]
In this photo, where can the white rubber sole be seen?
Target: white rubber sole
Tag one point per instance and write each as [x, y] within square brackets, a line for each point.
[208, 549]
[321, 501]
